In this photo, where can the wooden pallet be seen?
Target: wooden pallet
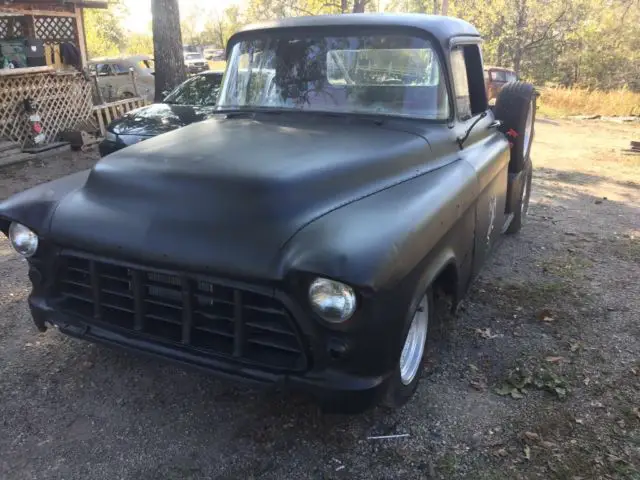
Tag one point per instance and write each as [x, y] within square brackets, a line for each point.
[104, 114]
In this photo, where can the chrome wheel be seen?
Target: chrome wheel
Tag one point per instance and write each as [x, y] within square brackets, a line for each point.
[528, 129]
[413, 349]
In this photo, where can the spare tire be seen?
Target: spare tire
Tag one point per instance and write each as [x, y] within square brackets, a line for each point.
[516, 108]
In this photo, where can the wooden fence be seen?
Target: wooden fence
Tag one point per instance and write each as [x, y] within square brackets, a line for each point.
[105, 113]
[62, 99]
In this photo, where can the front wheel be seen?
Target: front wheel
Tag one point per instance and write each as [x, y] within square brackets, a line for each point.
[403, 382]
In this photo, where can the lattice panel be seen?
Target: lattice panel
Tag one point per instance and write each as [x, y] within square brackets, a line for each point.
[11, 27]
[62, 101]
[53, 30]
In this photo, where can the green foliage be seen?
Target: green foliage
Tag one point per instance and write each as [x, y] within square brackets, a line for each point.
[584, 43]
[139, 43]
[105, 36]
[592, 43]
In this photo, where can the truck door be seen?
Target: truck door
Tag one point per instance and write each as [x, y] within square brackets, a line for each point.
[482, 146]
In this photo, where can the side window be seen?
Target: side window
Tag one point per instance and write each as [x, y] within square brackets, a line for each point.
[468, 79]
[460, 83]
[120, 69]
[103, 69]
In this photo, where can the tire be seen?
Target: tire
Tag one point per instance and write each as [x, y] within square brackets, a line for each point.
[520, 213]
[516, 108]
[403, 382]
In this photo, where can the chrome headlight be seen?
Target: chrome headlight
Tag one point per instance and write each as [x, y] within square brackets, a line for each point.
[335, 302]
[23, 240]
[111, 137]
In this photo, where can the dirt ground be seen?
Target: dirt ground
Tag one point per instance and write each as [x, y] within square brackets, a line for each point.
[538, 376]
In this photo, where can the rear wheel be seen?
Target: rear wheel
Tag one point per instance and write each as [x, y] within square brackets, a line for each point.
[403, 382]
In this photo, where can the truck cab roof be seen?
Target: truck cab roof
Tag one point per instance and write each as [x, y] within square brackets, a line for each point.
[441, 27]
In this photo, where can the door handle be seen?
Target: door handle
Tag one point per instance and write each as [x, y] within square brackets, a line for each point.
[495, 124]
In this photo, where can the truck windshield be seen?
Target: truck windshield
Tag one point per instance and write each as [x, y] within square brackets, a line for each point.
[374, 74]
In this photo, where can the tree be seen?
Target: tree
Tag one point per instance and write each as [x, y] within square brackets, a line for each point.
[167, 46]
[220, 26]
[104, 33]
[139, 43]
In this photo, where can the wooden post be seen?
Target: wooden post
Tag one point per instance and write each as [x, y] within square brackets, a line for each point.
[80, 37]
[133, 81]
[96, 85]
[29, 26]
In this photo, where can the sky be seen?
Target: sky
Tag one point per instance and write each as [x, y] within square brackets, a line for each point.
[140, 10]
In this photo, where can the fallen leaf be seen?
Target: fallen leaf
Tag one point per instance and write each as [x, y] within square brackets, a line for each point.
[548, 445]
[545, 316]
[531, 436]
[579, 421]
[527, 452]
[554, 359]
[504, 390]
[501, 453]
[485, 333]
[575, 346]
[561, 392]
[613, 458]
[586, 381]
[479, 385]
[636, 411]
[516, 394]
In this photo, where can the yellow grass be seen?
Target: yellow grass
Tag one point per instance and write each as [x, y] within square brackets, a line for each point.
[217, 65]
[559, 102]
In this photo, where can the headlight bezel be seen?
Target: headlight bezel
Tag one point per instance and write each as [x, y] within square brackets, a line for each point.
[327, 286]
[16, 229]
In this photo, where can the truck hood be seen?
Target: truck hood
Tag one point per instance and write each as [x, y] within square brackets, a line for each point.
[226, 194]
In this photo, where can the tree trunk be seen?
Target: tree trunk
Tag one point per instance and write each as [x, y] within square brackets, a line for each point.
[445, 7]
[358, 6]
[343, 6]
[167, 46]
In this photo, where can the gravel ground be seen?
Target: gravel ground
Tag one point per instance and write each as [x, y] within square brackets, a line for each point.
[538, 376]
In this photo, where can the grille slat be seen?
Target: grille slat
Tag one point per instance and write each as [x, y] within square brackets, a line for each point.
[138, 300]
[187, 312]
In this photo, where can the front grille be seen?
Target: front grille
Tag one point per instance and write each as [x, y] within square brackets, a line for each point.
[189, 312]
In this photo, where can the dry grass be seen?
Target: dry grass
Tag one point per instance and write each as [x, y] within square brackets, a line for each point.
[558, 102]
[219, 65]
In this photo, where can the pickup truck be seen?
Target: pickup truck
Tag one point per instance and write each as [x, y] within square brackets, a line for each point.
[353, 172]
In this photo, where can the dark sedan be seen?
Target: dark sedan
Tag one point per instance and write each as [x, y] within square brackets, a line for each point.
[192, 101]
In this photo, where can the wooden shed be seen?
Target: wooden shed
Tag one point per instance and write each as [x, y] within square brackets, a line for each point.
[44, 86]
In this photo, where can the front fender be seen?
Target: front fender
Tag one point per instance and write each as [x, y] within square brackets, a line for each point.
[35, 207]
[377, 241]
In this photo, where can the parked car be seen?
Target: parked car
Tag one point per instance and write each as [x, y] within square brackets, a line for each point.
[195, 63]
[214, 54]
[192, 101]
[495, 78]
[302, 235]
[114, 77]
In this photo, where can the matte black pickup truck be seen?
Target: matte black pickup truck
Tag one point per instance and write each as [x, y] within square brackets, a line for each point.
[353, 170]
